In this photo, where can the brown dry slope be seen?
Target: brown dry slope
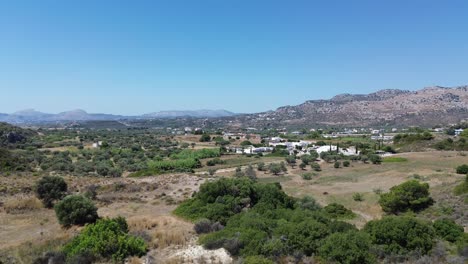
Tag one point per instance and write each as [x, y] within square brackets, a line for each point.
[429, 106]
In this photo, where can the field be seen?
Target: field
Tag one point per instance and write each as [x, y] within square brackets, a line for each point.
[147, 202]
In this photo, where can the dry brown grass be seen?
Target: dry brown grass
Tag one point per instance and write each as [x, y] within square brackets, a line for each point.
[18, 205]
[164, 231]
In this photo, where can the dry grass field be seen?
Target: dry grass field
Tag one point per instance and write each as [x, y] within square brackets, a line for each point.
[27, 229]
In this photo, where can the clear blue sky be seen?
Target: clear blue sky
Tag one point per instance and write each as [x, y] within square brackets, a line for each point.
[133, 57]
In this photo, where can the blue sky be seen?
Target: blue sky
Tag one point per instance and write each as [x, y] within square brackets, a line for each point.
[134, 57]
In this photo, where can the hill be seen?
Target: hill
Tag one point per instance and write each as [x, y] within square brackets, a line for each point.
[427, 107]
[12, 135]
[196, 113]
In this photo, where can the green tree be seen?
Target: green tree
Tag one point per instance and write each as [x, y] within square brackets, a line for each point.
[291, 160]
[337, 164]
[108, 239]
[352, 247]
[275, 168]
[75, 210]
[462, 169]
[250, 172]
[401, 234]
[447, 229]
[50, 189]
[205, 138]
[302, 165]
[410, 195]
[375, 159]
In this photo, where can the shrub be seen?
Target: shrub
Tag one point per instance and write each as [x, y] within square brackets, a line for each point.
[50, 189]
[315, 166]
[75, 210]
[375, 159]
[349, 247]
[308, 203]
[462, 188]
[107, 238]
[257, 260]
[410, 195]
[401, 234]
[206, 226]
[346, 163]
[447, 229]
[337, 164]
[358, 197]
[337, 210]
[462, 169]
[308, 176]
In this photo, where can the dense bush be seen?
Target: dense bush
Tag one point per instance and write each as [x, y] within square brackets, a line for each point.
[447, 229]
[408, 138]
[50, 189]
[219, 200]
[75, 210]
[462, 169]
[410, 195]
[401, 234]
[207, 226]
[197, 154]
[180, 165]
[351, 247]
[107, 238]
[336, 210]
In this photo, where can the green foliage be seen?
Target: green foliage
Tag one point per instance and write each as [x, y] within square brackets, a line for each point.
[394, 159]
[50, 189]
[358, 197]
[197, 154]
[308, 175]
[409, 138]
[308, 203]
[346, 163]
[215, 161]
[246, 143]
[219, 200]
[351, 247]
[462, 169]
[462, 188]
[336, 210]
[179, 165]
[337, 164]
[107, 238]
[375, 159]
[205, 138]
[401, 234]
[410, 195]
[257, 260]
[75, 210]
[447, 229]
[315, 166]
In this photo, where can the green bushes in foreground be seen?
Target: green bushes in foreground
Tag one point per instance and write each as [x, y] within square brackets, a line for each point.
[401, 234]
[75, 210]
[108, 239]
[260, 223]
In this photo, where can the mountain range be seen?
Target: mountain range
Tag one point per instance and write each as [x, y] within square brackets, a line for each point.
[429, 106]
[426, 107]
[33, 116]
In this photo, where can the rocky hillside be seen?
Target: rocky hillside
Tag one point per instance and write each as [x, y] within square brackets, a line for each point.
[427, 107]
[12, 135]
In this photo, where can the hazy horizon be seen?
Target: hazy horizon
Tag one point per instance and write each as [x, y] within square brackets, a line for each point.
[242, 56]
